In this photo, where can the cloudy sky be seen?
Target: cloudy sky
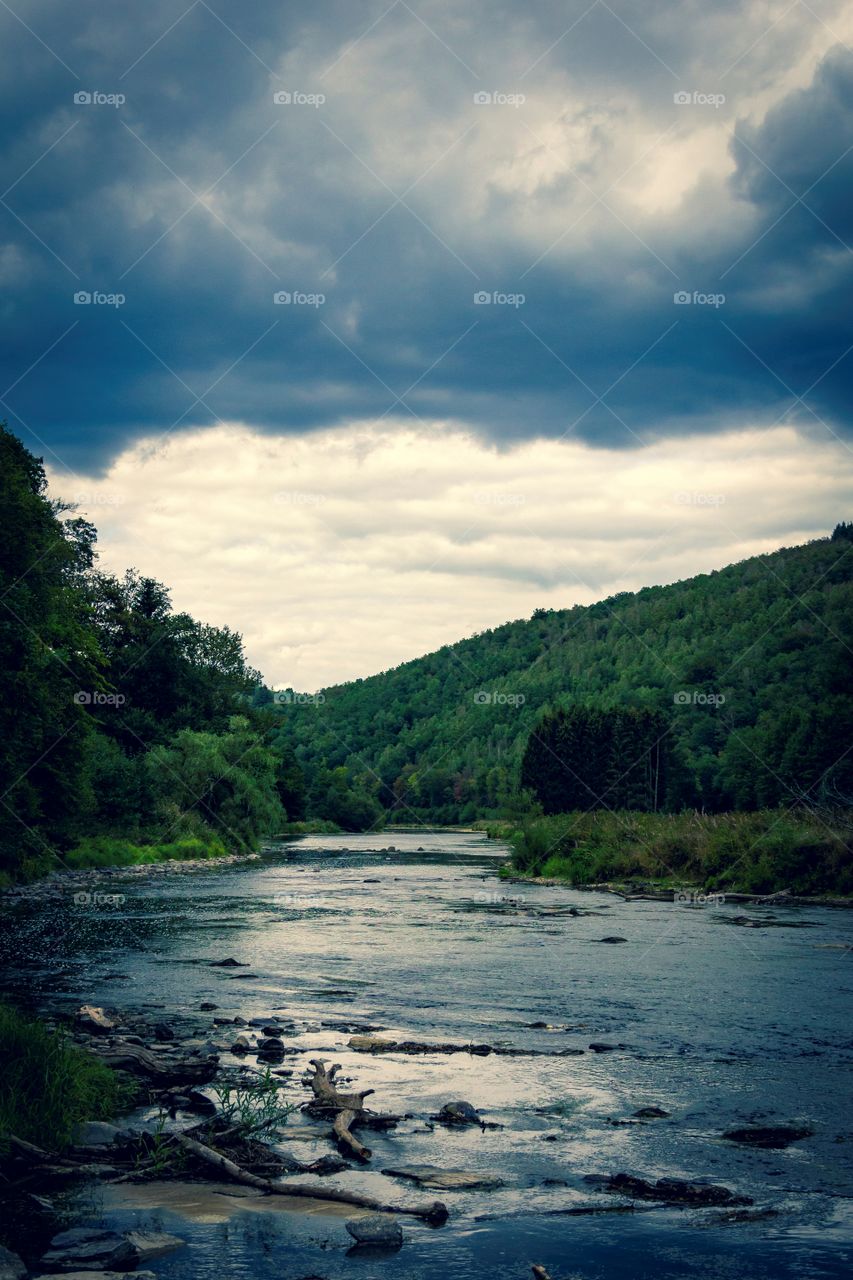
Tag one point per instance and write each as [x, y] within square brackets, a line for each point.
[366, 326]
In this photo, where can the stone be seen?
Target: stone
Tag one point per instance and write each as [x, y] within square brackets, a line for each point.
[11, 1266]
[163, 1032]
[95, 1133]
[376, 1229]
[669, 1190]
[207, 1007]
[153, 1244]
[650, 1113]
[84, 1248]
[769, 1137]
[613, 938]
[241, 1045]
[459, 1113]
[430, 1175]
[228, 963]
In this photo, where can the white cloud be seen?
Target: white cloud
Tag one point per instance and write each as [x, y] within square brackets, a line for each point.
[344, 552]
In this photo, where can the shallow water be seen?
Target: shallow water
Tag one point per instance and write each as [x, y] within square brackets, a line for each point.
[720, 1025]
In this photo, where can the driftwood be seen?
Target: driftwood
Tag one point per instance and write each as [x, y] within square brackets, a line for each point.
[159, 1070]
[349, 1108]
[435, 1213]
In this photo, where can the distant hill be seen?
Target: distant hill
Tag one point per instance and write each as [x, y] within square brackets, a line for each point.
[752, 663]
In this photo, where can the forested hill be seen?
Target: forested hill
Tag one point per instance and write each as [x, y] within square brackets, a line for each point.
[752, 663]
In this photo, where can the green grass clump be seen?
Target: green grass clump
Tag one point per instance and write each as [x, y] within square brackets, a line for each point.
[48, 1085]
[759, 852]
[108, 851]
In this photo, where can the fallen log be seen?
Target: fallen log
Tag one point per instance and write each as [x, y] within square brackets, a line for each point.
[434, 1213]
[341, 1128]
[159, 1070]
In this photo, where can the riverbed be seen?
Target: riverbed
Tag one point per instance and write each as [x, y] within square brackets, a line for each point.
[722, 1016]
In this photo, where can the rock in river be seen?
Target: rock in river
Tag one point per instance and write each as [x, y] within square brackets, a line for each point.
[89, 1248]
[430, 1175]
[11, 1266]
[376, 1229]
[668, 1190]
[771, 1137]
[459, 1113]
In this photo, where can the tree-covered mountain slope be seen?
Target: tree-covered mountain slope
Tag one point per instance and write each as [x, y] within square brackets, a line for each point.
[751, 666]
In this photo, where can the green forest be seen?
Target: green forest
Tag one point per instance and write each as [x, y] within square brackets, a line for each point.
[130, 732]
[745, 672]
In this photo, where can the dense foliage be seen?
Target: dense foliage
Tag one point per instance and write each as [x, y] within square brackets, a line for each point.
[48, 1085]
[127, 731]
[749, 666]
[594, 758]
[759, 852]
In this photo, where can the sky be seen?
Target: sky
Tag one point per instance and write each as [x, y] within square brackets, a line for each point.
[366, 326]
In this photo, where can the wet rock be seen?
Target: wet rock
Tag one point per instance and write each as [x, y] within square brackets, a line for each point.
[430, 1175]
[153, 1244]
[228, 963]
[770, 1137]
[271, 1048]
[241, 1045]
[239, 1022]
[207, 1007]
[89, 1248]
[100, 1275]
[612, 938]
[11, 1266]
[651, 1113]
[669, 1190]
[95, 1133]
[163, 1032]
[600, 1047]
[458, 1113]
[376, 1229]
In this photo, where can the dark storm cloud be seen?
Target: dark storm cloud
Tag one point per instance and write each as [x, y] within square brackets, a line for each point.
[398, 199]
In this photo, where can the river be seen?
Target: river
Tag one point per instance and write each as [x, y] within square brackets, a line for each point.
[718, 1024]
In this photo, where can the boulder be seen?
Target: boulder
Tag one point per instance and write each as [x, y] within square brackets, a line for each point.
[459, 1113]
[89, 1248]
[669, 1190]
[95, 1133]
[163, 1032]
[228, 963]
[650, 1113]
[376, 1229]
[770, 1137]
[153, 1244]
[241, 1045]
[612, 938]
[11, 1266]
[430, 1175]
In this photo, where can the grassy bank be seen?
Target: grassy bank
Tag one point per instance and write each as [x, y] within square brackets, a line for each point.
[759, 852]
[48, 1085]
[109, 851]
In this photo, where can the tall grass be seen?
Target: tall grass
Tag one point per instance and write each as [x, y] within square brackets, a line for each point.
[48, 1085]
[759, 852]
[109, 851]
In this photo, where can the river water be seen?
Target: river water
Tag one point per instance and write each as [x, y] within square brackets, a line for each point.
[718, 1024]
